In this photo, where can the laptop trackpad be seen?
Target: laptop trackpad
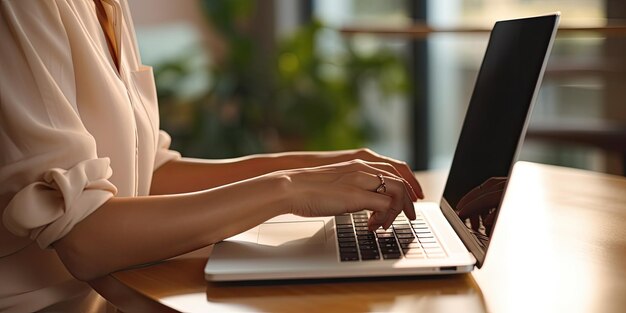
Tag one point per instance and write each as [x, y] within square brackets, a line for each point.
[288, 233]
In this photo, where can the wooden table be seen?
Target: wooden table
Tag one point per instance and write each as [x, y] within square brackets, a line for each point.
[559, 246]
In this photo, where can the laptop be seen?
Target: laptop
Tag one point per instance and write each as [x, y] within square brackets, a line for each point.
[447, 237]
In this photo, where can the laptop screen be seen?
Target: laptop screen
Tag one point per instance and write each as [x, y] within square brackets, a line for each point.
[494, 125]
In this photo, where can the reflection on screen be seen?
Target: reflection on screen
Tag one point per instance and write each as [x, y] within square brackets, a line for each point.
[495, 120]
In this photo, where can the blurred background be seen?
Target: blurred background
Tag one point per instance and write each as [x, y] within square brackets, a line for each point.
[239, 77]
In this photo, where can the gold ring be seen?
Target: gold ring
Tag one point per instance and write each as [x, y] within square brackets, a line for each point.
[382, 188]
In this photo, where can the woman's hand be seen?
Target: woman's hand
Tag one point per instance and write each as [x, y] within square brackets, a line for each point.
[401, 168]
[479, 204]
[349, 187]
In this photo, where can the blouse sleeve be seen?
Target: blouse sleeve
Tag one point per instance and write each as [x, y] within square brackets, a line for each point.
[50, 174]
[164, 154]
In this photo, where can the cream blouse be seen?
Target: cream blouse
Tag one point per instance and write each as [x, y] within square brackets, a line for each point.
[74, 132]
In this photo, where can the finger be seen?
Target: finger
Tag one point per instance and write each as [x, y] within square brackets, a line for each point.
[393, 187]
[409, 176]
[494, 181]
[407, 204]
[389, 170]
[475, 222]
[490, 185]
[398, 190]
[364, 199]
[400, 203]
[489, 221]
[481, 204]
[471, 195]
[376, 220]
[401, 167]
[391, 216]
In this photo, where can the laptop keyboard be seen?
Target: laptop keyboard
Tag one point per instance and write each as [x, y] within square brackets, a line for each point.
[404, 239]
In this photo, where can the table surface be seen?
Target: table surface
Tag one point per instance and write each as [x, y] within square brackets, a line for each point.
[559, 246]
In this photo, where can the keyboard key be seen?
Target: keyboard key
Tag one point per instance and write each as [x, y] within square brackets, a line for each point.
[389, 248]
[368, 252]
[345, 235]
[367, 242]
[384, 235]
[401, 226]
[428, 240]
[345, 230]
[404, 231]
[348, 244]
[368, 257]
[368, 247]
[390, 251]
[349, 257]
[346, 239]
[389, 256]
[424, 235]
[411, 245]
[430, 245]
[347, 250]
[413, 251]
[406, 240]
[405, 236]
[343, 220]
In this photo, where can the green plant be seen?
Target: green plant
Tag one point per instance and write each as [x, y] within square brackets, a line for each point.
[291, 98]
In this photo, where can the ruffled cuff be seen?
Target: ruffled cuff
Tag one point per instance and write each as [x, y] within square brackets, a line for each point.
[47, 210]
[164, 154]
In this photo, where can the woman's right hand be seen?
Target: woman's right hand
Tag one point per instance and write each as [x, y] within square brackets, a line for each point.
[349, 187]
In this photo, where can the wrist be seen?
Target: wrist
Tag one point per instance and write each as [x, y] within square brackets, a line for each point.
[279, 185]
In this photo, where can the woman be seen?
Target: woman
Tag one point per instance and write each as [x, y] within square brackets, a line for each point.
[88, 184]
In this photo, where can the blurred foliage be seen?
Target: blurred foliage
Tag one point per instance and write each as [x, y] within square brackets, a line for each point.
[293, 98]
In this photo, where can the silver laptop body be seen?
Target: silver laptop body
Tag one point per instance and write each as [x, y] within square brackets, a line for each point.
[448, 237]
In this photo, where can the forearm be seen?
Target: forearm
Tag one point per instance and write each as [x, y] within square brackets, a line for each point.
[189, 174]
[131, 231]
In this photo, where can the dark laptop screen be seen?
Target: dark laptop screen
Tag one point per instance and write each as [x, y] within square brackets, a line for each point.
[495, 121]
